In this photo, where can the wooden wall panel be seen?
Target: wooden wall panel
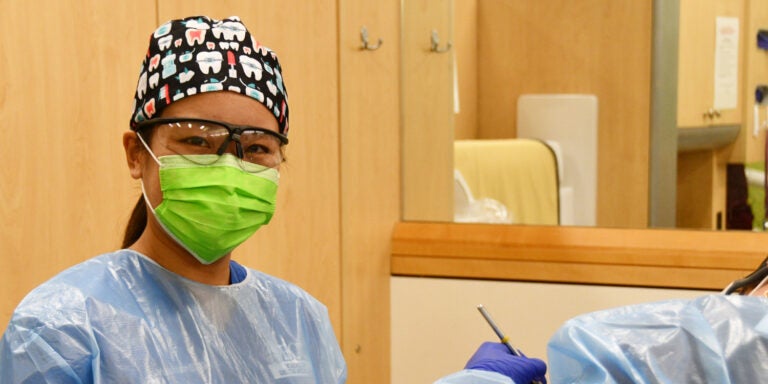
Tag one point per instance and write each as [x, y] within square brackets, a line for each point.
[427, 112]
[370, 182]
[67, 78]
[599, 47]
[696, 189]
[465, 45]
[301, 244]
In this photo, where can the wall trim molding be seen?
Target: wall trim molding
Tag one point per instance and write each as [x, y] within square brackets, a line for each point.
[605, 256]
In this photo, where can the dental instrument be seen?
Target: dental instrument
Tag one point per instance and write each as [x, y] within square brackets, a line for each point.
[504, 339]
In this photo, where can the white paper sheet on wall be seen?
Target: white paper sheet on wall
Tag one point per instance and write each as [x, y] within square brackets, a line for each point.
[726, 63]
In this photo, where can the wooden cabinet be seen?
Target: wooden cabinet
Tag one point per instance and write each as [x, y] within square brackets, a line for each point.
[696, 62]
[710, 106]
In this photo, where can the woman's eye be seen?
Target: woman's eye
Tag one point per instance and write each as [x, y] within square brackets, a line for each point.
[256, 148]
[196, 141]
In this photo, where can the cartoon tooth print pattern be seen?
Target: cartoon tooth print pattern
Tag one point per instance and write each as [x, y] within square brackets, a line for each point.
[199, 54]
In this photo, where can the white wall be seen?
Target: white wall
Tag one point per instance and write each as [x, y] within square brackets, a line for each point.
[436, 326]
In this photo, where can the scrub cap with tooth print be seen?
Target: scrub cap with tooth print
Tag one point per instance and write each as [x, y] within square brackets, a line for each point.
[199, 54]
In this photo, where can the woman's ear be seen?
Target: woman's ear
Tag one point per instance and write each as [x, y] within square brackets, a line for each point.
[133, 153]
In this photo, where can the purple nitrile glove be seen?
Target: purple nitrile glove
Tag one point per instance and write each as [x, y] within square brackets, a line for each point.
[495, 357]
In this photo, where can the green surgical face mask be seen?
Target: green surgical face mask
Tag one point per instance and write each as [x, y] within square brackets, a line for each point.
[211, 209]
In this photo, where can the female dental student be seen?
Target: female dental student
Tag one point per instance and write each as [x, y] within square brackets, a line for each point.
[209, 124]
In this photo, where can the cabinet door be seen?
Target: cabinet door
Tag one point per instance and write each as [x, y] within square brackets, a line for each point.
[696, 63]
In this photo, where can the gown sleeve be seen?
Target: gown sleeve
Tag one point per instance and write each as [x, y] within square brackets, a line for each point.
[43, 355]
[711, 339]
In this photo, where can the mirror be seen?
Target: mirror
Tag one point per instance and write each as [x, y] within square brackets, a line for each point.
[653, 167]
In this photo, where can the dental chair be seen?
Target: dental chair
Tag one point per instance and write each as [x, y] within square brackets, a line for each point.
[520, 174]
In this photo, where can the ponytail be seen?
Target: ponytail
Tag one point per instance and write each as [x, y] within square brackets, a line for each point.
[138, 220]
[136, 223]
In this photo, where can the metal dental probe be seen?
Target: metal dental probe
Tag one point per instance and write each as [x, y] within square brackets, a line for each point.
[504, 339]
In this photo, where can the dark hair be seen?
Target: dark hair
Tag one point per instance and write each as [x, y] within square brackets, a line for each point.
[136, 223]
[138, 220]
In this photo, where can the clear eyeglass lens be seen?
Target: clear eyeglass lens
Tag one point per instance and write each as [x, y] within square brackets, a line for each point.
[188, 138]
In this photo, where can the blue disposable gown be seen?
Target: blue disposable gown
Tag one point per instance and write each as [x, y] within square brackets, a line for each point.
[121, 318]
[711, 339]
[475, 376]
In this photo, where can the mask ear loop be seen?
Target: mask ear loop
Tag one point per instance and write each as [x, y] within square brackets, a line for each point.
[147, 147]
[146, 199]
[143, 190]
[151, 208]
